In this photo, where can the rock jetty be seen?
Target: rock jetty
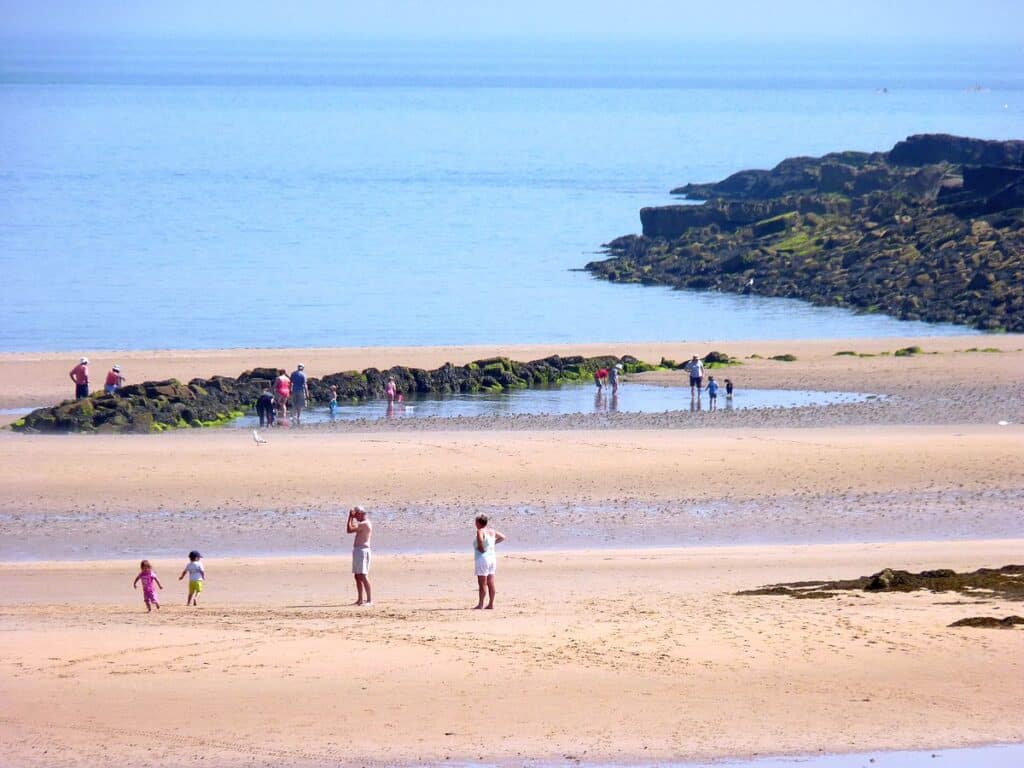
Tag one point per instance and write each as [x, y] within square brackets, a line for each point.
[931, 230]
[155, 406]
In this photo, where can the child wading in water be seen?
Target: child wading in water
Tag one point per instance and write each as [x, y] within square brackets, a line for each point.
[485, 560]
[196, 576]
[148, 578]
[713, 393]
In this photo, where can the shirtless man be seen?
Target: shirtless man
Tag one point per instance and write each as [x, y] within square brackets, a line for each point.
[363, 529]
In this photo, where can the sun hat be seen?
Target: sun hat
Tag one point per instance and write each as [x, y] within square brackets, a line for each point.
[301, 366]
[84, 360]
[116, 369]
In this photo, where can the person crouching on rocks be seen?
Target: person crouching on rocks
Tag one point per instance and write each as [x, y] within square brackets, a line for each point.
[114, 380]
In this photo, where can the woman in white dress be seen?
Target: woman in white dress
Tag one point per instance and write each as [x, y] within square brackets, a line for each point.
[485, 559]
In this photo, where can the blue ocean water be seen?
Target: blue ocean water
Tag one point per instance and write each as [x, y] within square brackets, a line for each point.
[228, 195]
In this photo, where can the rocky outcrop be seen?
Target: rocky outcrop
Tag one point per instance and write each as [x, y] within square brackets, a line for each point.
[1005, 583]
[989, 622]
[154, 406]
[931, 230]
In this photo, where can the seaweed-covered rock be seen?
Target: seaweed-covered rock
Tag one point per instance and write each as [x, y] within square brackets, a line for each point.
[159, 405]
[931, 230]
[1006, 582]
[989, 622]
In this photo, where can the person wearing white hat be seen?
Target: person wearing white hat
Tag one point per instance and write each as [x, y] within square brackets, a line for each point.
[696, 370]
[80, 375]
[613, 377]
[114, 380]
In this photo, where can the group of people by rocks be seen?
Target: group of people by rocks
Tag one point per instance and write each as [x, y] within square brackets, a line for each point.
[80, 376]
[360, 527]
[272, 404]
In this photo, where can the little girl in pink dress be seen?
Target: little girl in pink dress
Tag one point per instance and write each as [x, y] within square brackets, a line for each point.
[148, 579]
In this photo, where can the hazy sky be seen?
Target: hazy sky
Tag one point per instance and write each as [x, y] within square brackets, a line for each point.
[999, 21]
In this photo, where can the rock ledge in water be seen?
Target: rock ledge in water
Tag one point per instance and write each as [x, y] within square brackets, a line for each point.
[931, 230]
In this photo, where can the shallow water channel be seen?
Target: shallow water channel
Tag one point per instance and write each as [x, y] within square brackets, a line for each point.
[631, 398]
[991, 756]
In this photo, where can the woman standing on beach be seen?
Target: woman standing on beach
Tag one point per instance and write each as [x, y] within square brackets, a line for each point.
[282, 391]
[485, 560]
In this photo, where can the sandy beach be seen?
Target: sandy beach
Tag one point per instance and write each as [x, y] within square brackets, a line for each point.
[591, 655]
[618, 636]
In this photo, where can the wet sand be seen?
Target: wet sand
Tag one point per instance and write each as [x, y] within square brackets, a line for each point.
[89, 496]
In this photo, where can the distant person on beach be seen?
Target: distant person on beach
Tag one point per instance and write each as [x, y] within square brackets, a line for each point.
[300, 391]
[728, 389]
[80, 375]
[712, 393]
[600, 375]
[696, 370]
[390, 390]
[148, 578]
[485, 560]
[363, 529]
[282, 390]
[265, 408]
[196, 577]
[114, 380]
[333, 404]
[613, 377]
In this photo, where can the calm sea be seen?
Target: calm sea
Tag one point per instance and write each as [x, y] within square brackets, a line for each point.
[225, 195]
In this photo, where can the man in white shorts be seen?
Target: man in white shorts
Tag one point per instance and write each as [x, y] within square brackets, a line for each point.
[363, 529]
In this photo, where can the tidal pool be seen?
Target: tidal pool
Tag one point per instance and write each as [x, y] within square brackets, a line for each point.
[631, 398]
[992, 756]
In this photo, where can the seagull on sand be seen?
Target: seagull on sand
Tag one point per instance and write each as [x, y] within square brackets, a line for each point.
[256, 437]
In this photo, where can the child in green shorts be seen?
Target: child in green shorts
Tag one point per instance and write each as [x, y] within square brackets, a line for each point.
[196, 576]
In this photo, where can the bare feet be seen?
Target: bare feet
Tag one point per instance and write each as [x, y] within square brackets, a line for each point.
[478, 607]
[490, 607]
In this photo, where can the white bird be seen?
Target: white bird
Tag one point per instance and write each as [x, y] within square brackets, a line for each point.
[256, 437]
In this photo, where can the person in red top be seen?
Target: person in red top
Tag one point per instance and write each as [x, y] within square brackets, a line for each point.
[114, 380]
[80, 375]
[600, 375]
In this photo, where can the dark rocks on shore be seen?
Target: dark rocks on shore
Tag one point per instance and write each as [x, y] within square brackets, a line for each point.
[989, 622]
[931, 230]
[1006, 582]
[154, 406]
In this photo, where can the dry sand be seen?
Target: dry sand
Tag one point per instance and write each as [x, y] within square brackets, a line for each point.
[606, 646]
[607, 655]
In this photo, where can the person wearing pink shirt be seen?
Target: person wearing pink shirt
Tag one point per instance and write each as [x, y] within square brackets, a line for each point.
[148, 578]
[80, 375]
